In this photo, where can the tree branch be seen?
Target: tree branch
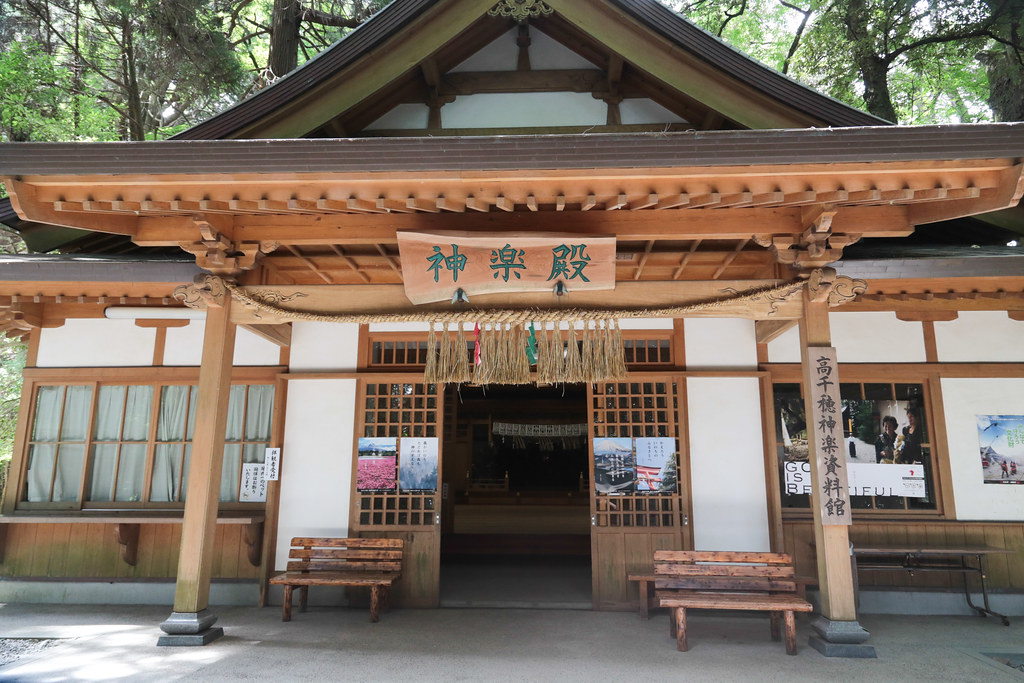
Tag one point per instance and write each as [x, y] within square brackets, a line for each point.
[315, 16]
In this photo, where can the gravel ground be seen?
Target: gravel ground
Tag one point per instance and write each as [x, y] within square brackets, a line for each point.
[12, 649]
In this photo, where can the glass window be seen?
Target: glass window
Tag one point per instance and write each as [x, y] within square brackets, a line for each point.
[884, 424]
[131, 443]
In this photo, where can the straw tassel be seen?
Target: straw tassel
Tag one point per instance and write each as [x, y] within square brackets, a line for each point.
[460, 358]
[573, 361]
[588, 363]
[617, 354]
[557, 348]
[444, 360]
[543, 357]
[520, 366]
[430, 371]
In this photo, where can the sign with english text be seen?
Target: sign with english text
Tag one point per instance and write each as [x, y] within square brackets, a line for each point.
[436, 265]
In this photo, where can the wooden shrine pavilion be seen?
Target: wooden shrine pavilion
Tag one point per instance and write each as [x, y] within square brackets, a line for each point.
[593, 195]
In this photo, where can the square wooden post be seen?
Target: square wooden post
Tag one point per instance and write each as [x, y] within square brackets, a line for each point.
[191, 622]
[839, 633]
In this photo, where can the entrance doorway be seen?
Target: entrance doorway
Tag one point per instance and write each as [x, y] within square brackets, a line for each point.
[516, 516]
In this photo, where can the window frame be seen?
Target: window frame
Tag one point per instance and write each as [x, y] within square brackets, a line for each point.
[37, 378]
[850, 373]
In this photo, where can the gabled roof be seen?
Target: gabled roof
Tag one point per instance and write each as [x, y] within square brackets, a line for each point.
[376, 39]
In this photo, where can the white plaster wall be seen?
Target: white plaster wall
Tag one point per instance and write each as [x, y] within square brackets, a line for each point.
[963, 400]
[324, 346]
[876, 337]
[980, 336]
[508, 110]
[645, 324]
[184, 346]
[96, 342]
[407, 116]
[503, 55]
[727, 477]
[638, 110]
[786, 347]
[316, 461]
[720, 343]
[860, 337]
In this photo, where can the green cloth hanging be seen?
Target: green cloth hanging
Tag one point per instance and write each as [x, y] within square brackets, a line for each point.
[531, 345]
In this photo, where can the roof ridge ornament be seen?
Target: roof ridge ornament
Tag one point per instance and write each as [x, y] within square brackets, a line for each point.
[520, 10]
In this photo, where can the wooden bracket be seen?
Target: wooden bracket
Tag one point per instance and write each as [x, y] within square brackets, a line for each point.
[127, 535]
[253, 534]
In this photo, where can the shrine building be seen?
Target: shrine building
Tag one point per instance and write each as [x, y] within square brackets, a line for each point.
[518, 281]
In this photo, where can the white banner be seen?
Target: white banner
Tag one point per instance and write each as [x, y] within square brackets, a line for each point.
[865, 479]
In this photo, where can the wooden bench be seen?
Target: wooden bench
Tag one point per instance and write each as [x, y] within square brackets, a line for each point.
[645, 585]
[728, 580]
[372, 562]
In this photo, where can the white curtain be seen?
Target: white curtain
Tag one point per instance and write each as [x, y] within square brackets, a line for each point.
[109, 407]
[71, 456]
[42, 455]
[233, 451]
[170, 427]
[258, 419]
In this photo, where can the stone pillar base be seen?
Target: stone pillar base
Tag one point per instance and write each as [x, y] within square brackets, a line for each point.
[840, 639]
[190, 628]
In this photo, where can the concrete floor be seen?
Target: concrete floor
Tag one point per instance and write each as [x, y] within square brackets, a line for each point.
[113, 643]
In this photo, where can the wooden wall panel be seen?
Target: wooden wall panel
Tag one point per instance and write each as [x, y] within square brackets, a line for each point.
[1004, 572]
[609, 570]
[91, 551]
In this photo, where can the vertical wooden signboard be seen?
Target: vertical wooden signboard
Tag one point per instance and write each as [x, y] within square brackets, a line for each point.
[826, 430]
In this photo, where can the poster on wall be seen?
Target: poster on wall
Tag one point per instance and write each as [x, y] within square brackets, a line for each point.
[614, 465]
[1001, 446]
[377, 464]
[417, 463]
[254, 483]
[655, 465]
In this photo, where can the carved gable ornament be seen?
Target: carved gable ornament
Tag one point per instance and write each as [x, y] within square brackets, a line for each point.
[520, 10]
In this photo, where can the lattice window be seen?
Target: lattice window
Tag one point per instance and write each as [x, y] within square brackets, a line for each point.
[399, 409]
[398, 353]
[647, 352]
[636, 409]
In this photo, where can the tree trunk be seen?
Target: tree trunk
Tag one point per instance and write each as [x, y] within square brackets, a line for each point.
[873, 69]
[1005, 82]
[284, 38]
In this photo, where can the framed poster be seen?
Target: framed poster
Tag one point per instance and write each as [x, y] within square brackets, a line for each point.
[614, 465]
[417, 463]
[655, 465]
[1001, 446]
[377, 464]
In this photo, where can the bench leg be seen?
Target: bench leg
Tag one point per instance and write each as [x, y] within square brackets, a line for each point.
[776, 619]
[303, 598]
[286, 606]
[680, 619]
[375, 599]
[790, 632]
[643, 600]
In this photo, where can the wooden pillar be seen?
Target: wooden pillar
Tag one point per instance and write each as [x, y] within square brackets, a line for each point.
[190, 623]
[840, 634]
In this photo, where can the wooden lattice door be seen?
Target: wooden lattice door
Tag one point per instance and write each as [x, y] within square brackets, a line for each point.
[626, 528]
[402, 406]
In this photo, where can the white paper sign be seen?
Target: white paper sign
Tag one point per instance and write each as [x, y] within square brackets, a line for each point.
[886, 480]
[272, 460]
[254, 486]
[865, 479]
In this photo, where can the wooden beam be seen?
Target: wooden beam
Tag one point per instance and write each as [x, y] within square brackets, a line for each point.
[280, 334]
[768, 330]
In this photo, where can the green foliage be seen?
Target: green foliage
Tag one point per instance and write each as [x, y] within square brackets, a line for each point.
[924, 58]
[12, 362]
[32, 86]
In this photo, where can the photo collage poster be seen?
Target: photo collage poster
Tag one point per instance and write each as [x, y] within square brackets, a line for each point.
[627, 465]
[390, 463]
